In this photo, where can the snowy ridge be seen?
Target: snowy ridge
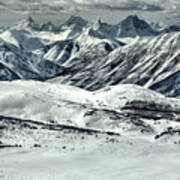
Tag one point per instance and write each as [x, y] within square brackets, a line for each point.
[104, 110]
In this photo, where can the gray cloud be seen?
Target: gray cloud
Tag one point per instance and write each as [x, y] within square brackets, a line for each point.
[129, 6]
[2, 4]
[55, 6]
[32, 6]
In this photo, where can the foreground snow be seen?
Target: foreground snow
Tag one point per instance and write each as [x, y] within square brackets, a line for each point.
[53, 131]
[129, 159]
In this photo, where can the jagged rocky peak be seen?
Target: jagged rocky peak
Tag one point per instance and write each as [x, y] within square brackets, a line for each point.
[97, 24]
[133, 26]
[77, 20]
[134, 20]
[49, 26]
[75, 24]
[99, 21]
[29, 22]
[103, 29]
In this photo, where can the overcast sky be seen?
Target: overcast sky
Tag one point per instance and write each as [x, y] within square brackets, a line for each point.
[110, 10]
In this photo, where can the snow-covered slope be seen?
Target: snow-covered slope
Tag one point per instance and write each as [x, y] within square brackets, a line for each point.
[148, 61]
[127, 159]
[50, 130]
[17, 54]
[110, 109]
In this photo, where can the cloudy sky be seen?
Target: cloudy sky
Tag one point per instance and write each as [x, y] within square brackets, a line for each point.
[110, 10]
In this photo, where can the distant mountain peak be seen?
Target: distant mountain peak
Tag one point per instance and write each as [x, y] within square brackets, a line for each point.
[30, 19]
[75, 24]
[104, 28]
[99, 21]
[133, 26]
[132, 17]
[29, 22]
[49, 26]
[97, 24]
[76, 20]
[135, 21]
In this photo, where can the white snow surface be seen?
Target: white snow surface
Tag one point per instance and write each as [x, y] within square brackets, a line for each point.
[72, 154]
[39, 101]
[129, 159]
[63, 104]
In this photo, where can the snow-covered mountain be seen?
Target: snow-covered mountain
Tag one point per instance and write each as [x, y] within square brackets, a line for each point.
[30, 23]
[132, 26]
[102, 30]
[22, 64]
[148, 61]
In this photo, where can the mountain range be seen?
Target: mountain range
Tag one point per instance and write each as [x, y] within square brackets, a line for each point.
[92, 55]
